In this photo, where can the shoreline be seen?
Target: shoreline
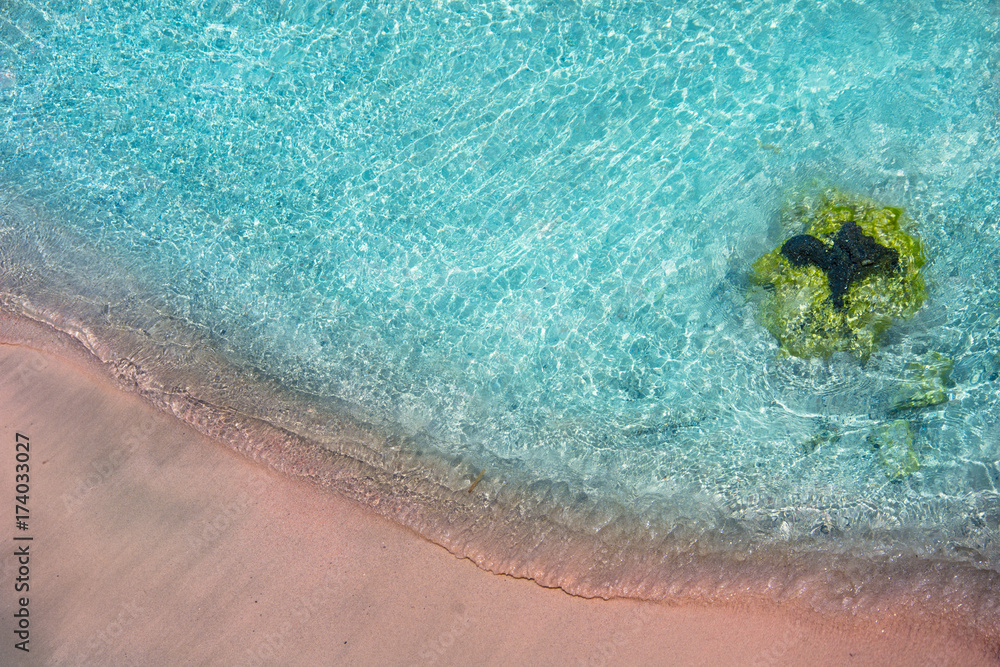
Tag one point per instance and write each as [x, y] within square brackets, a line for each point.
[185, 514]
[195, 531]
[517, 522]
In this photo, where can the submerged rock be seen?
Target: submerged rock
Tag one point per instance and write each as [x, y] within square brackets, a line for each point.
[823, 436]
[926, 382]
[894, 444]
[853, 256]
[838, 284]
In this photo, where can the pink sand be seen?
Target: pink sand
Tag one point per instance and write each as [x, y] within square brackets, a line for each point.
[154, 545]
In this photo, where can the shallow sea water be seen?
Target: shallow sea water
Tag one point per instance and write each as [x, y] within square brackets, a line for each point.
[516, 235]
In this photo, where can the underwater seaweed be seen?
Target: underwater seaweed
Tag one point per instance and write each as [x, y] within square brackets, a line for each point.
[839, 284]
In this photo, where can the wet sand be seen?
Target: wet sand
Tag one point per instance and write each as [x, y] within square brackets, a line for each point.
[154, 545]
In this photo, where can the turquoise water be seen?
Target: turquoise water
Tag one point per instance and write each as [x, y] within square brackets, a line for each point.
[517, 234]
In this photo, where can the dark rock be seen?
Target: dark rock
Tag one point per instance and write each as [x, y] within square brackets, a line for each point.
[853, 256]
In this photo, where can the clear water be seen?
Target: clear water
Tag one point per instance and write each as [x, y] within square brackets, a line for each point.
[517, 233]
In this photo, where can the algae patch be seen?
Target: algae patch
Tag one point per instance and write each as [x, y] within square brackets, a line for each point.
[822, 436]
[925, 384]
[894, 444]
[851, 267]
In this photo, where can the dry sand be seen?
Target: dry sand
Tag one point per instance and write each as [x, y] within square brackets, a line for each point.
[153, 545]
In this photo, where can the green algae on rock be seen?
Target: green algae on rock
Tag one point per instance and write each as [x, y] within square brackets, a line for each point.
[894, 444]
[870, 255]
[925, 384]
[823, 436]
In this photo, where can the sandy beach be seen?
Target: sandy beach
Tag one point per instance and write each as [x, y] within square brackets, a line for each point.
[151, 544]
[500, 333]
